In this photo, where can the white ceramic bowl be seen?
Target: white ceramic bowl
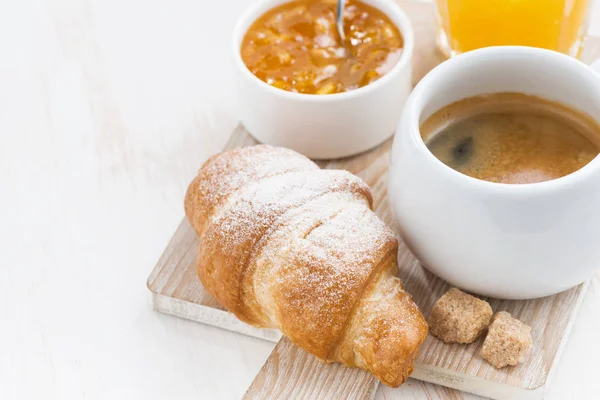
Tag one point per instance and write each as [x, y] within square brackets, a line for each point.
[500, 240]
[323, 126]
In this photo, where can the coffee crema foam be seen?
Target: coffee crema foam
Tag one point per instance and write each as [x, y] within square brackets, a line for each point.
[511, 138]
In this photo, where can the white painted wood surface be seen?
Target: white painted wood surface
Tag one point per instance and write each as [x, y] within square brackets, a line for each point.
[106, 110]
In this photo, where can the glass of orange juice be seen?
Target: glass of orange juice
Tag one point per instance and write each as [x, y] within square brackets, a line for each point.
[464, 25]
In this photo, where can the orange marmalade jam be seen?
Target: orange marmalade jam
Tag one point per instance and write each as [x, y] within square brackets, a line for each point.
[296, 47]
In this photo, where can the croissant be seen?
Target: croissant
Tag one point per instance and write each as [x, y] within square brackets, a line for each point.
[287, 245]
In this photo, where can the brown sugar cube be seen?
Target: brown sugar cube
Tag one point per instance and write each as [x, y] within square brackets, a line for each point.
[458, 317]
[507, 342]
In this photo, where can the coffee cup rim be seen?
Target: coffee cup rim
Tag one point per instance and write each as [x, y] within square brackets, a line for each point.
[415, 103]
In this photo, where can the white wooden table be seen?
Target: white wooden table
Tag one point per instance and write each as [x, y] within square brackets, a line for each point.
[107, 108]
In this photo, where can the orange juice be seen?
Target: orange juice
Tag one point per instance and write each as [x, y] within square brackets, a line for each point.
[465, 25]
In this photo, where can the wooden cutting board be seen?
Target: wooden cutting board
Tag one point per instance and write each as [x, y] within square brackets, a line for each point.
[292, 373]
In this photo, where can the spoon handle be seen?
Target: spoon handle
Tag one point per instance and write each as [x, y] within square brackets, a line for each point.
[340, 19]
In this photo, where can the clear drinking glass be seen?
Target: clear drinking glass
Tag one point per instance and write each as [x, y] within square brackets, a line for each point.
[464, 25]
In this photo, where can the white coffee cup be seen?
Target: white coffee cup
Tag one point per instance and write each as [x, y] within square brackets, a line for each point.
[323, 126]
[500, 240]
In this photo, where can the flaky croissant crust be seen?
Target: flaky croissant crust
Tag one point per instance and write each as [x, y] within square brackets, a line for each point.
[287, 245]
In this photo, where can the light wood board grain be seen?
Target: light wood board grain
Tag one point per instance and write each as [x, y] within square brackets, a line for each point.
[178, 291]
[309, 377]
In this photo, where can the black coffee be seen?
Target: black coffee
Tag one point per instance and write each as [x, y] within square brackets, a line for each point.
[512, 138]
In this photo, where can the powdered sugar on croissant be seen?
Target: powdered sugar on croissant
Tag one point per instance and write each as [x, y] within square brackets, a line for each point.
[287, 245]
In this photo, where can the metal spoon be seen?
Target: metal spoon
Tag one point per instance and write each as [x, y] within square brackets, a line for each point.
[339, 19]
